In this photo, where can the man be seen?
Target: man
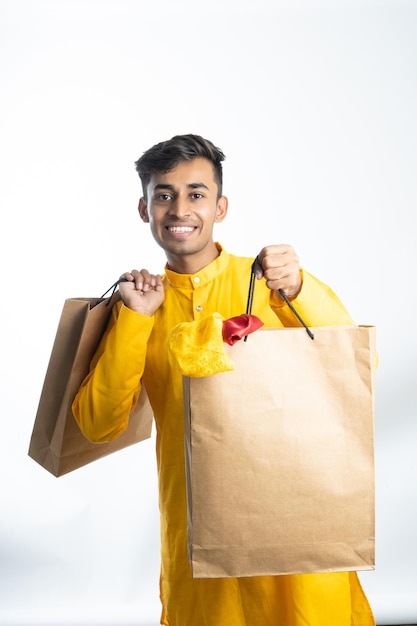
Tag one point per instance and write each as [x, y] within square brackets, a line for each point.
[182, 200]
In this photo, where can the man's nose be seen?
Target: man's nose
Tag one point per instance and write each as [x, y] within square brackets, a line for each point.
[180, 207]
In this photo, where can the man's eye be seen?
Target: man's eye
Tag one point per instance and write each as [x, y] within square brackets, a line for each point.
[164, 197]
[197, 195]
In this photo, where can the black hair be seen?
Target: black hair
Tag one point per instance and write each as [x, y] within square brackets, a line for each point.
[166, 155]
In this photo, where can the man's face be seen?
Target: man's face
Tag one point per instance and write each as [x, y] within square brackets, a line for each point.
[181, 209]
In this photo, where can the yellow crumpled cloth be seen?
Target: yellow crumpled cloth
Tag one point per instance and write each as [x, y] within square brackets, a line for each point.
[199, 347]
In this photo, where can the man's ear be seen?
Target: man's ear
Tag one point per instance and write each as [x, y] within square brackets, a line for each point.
[221, 211]
[143, 210]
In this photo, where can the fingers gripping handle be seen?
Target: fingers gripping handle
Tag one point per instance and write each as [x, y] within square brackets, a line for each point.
[251, 291]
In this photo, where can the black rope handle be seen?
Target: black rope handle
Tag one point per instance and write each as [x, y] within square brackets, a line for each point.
[297, 315]
[251, 292]
[249, 303]
[113, 289]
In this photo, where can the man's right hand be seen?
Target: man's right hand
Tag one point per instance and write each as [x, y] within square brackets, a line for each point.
[142, 292]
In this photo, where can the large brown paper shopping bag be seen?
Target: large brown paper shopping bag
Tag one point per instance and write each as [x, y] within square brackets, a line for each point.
[279, 456]
[57, 442]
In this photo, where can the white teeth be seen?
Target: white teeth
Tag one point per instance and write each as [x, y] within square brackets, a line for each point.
[180, 229]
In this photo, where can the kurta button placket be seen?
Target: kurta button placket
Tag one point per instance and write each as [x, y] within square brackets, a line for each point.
[196, 281]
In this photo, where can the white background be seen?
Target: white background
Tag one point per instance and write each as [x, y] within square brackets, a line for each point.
[314, 104]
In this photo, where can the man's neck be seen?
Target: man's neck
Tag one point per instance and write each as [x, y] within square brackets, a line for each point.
[191, 264]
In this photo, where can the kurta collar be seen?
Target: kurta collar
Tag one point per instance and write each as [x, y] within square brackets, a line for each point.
[201, 278]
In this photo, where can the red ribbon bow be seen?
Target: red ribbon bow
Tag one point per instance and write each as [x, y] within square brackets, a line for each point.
[235, 328]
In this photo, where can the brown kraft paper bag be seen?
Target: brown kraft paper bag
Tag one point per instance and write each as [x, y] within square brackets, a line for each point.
[280, 458]
[57, 443]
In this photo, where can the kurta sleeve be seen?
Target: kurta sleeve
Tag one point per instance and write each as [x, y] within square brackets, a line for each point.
[110, 390]
[316, 304]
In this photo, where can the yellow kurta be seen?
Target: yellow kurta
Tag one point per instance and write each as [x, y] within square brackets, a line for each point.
[135, 347]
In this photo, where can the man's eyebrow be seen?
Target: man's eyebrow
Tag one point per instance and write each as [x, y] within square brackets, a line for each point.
[160, 186]
[197, 185]
[163, 186]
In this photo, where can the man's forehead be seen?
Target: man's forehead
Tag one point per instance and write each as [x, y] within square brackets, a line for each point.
[198, 172]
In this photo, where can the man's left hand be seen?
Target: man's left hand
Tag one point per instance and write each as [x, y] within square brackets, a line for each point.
[280, 267]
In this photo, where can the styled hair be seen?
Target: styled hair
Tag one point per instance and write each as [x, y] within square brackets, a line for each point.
[166, 155]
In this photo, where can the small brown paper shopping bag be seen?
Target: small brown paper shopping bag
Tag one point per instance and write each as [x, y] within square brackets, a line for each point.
[279, 456]
[57, 442]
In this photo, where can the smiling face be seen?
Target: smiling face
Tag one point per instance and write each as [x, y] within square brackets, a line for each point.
[182, 206]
